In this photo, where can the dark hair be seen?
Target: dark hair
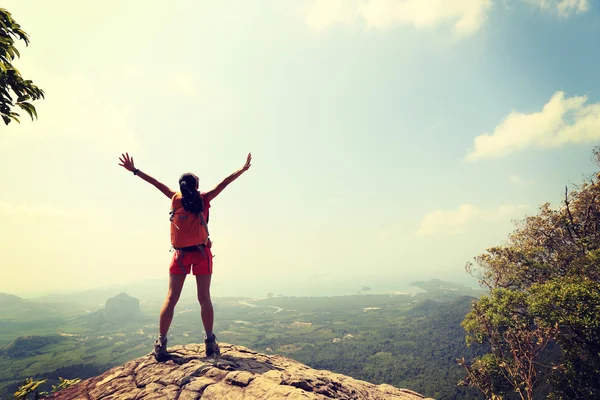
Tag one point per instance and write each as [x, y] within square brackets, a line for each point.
[191, 201]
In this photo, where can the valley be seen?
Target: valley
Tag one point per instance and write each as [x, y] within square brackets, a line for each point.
[405, 340]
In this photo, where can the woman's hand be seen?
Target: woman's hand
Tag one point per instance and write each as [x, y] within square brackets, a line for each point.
[127, 162]
[247, 165]
[211, 194]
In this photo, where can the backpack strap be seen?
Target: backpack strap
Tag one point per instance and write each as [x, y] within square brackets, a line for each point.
[204, 223]
[172, 216]
[179, 255]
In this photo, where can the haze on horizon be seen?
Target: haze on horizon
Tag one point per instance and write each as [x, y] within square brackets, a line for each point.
[391, 140]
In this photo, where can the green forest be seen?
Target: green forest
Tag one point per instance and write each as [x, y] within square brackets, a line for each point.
[410, 341]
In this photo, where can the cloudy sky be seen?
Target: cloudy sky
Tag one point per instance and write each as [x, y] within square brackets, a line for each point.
[393, 140]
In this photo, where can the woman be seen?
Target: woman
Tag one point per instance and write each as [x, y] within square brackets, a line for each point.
[191, 243]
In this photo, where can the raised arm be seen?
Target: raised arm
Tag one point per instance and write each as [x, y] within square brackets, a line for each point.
[211, 194]
[127, 163]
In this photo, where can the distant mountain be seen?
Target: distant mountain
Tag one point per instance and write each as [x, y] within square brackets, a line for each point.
[13, 307]
[10, 301]
[119, 311]
[440, 290]
[121, 308]
[93, 298]
[27, 346]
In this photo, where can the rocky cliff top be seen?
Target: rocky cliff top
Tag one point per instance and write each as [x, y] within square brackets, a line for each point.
[239, 373]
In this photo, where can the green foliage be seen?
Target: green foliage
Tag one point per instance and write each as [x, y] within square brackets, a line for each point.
[29, 387]
[12, 83]
[543, 290]
[573, 304]
[488, 374]
[416, 352]
[27, 346]
[516, 339]
[65, 383]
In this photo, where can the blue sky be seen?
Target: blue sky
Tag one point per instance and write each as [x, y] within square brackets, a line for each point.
[393, 140]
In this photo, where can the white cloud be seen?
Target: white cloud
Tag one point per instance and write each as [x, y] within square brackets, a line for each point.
[563, 8]
[561, 121]
[458, 221]
[465, 16]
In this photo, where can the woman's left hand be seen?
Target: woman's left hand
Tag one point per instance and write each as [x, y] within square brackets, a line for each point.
[248, 160]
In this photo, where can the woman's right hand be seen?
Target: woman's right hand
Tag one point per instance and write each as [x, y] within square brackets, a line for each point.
[127, 162]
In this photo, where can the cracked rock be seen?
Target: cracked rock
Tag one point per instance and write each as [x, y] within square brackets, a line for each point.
[239, 373]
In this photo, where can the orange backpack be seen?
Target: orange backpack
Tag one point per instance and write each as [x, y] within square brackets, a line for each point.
[187, 229]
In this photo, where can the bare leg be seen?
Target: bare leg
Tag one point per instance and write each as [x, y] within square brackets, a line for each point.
[206, 307]
[168, 308]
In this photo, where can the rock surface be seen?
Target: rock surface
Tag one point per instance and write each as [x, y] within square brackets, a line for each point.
[238, 373]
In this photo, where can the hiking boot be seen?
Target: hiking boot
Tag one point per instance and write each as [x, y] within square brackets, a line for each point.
[212, 347]
[160, 349]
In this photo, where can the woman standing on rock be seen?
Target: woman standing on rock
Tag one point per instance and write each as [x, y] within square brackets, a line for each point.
[191, 243]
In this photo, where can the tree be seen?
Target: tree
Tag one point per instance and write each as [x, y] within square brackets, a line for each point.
[517, 340]
[543, 290]
[12, 83]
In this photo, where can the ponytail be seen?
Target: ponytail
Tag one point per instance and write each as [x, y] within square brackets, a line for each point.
[191, 200]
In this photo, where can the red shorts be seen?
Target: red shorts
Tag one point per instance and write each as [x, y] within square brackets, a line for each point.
[199, 262]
